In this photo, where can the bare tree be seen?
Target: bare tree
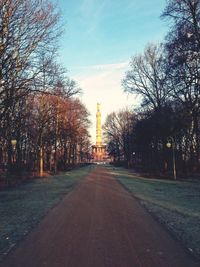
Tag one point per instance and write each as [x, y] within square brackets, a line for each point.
[118, 130]
[183, 52]
[27, 27]
[147, 77]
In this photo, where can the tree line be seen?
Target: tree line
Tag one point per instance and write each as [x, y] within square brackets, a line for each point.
[163, 134]
[43, 124]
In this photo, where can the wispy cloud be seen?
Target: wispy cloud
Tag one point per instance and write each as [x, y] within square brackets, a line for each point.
[91, 13]
[110, 67]
[102, 77]
[103, 67]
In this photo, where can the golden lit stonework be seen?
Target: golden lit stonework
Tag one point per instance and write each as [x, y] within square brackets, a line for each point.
[98, 150]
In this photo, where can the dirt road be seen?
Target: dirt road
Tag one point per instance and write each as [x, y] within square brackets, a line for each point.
[99, 225]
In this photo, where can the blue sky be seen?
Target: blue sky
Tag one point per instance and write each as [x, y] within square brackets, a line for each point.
[100, 38]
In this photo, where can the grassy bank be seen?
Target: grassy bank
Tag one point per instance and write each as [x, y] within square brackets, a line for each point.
[21, 208]
[176, 204]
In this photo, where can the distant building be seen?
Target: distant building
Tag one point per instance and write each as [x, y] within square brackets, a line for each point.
[99, 153]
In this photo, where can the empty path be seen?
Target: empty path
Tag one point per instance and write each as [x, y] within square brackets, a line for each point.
[98, 225]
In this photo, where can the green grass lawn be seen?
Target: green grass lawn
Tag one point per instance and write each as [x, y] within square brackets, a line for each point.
[176, 204]
[21, 208]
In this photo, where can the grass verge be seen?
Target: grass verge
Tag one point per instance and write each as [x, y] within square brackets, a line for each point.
[176, 204]
[23, 207]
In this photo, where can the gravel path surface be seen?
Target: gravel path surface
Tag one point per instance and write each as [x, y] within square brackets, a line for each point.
[99, 224]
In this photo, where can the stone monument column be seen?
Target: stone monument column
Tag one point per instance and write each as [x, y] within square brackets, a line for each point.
[98, 126]
[98, 150]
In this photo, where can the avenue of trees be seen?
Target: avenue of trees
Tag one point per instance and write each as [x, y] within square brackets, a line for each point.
[165, 130]
[43, 125]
